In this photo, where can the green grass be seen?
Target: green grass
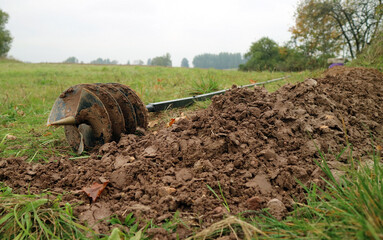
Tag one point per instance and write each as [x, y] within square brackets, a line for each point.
[204, 84]
[37, 217]
[224, 202]
[132, 228]
[28, 92]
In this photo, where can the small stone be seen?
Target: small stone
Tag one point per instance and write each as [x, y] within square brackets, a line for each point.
[164, 191]
[198, 165]
[369, 163]
[157, 233]
[224, 238]
[229, 167]
[308, 128]
[150, 151]
[30, 172]
[120, 161]
[312, 147]
[311, 82]
[20, 112]
[168, 179]
[254, 203]
[269, 154]
[336, 165]
[11, 137]
[28, 178]
[140, 131]
[138, 194]
[217, 212]
[165, 216]
[55, 176]
[3, 163]
[317, 173]
[139, 207]
[338, 175]
[153, 123]
[184, 175]
[107, 147]
[246, 174]
[274, 173]
[103, 180]
[276, 208]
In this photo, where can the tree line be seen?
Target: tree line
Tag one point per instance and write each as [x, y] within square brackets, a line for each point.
[222, 60]
[218, 61]
[267, 55]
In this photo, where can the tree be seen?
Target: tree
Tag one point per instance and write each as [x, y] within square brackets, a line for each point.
[103, 61]
[263, 55]
[5, 36]
[314, 32]
[149, 62]
[138, 62]
[294, 59]
[71, 60]
[185, 63]
[323, 27]
[162, 61]
[222, 60]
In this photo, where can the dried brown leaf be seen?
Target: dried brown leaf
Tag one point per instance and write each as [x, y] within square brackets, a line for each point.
[171, 122]
[95, 190]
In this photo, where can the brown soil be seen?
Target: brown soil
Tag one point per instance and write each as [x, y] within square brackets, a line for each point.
[252, 143]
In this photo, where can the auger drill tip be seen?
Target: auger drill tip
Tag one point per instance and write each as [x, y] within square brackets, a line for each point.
[65, 121]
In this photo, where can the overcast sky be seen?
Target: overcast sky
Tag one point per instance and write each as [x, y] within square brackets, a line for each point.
[122, 30]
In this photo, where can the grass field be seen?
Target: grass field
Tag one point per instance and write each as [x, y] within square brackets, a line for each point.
[351, 208]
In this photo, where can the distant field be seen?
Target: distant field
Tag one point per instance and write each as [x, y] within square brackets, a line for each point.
[28, 92]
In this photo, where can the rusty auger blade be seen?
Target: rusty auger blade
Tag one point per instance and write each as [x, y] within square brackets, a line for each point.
[94, 114]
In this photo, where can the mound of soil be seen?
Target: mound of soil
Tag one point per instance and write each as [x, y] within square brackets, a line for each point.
[249, 145]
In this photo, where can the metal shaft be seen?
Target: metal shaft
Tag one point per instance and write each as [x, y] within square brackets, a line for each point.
[184, 102]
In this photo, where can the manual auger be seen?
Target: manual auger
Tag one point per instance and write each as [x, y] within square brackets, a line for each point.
[94, 114]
